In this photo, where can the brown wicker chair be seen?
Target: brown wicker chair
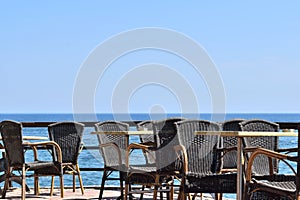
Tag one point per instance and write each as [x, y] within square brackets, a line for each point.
[158, 171]
[229, 146]
[263, 180]
[113, 150]
[143, 173]
[199, 153]
[11, 133]
[251, 143]
[272, 186]
[68, 135]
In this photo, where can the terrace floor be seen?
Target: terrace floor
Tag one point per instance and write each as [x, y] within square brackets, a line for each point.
[90, 194]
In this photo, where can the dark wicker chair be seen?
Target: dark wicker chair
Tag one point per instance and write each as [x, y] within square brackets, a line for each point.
[143, 173]
[11, 133]
[168, 165]
[199, 154]
[262, 178]
[68, 135]
[147, 140]
[270, 143]
[229, 146]
[113, 150]
[3, 168]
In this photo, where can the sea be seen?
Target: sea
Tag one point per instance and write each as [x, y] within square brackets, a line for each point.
[93, 159]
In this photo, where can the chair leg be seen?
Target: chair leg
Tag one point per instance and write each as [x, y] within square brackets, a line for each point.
[52, 186]
[23, 182]
[216, 196]
[104, 176]
[36, 185]
[126, 191]
[142, 194]
[220, 196]
[74, 181]
[121, 184]
[80, 180]
[156, 185]
[182, 195]
[172, 190]
[161, 194]
[61, 186]
[6, 184]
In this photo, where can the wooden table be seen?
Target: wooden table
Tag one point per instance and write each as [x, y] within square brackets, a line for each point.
[32, 138]
[239, 135]
[125, 132]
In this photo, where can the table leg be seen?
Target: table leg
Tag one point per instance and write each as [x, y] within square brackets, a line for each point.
[239, 188]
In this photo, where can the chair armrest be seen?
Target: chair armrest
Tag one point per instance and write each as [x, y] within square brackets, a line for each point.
[270, 154]
[250, 149]
[281, 150]
[287, 150]
[44, 144]
[142, 146]
[226, 149]
[148, 143]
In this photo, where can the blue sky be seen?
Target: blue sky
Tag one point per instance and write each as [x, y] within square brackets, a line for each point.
[255, 46]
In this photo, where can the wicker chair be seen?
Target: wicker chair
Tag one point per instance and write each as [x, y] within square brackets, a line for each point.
[68, 135]
[147, 140]
[113, 150]
[3, 168]
[162, 173]
[263, 180]
[251, 143]
[168, 165]
[229, 146]
[144, 173]
[199, 160]
[11, 133]
[273, 186]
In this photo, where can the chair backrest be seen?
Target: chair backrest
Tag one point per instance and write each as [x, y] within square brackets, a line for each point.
[11, 133]
[68, 135]
[266, 142]
[229, 159]
[165, 137]
[121, 140]
[147, 125]
[201, 149]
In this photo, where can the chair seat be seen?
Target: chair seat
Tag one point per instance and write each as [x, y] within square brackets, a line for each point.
[45, 168]
[280, 183]
[220, 183]
[142, 168]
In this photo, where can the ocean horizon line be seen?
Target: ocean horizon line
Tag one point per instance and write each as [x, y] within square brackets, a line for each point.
[69, 113]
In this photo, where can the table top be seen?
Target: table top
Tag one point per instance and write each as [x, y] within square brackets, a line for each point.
[124, 132]
[246, 133]
[32, 138]
[222, 133]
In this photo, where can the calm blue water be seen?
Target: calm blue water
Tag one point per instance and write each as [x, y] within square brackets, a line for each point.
[93, 159]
